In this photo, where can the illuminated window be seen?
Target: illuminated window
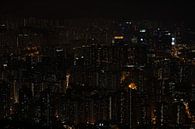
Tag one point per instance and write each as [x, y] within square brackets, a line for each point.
[173, 41]
[142, 31]
[118, 37]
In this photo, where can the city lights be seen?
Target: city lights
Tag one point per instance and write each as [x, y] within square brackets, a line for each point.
[124, 75]
[118, 37]
[173, 41]
[96, 73]
[132, 86]
[4, 65]
[142, 30]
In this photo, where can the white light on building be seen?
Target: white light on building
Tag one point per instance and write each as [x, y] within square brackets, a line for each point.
[4, 65]
[173, 41]
[142, 30]
[128, 22]
[59, 50]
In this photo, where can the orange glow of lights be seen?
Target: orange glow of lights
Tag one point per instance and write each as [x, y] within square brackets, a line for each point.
[123, 76]
[67, 80]
[118, 37]
[133, 86]
[187, 110]
[154, 117]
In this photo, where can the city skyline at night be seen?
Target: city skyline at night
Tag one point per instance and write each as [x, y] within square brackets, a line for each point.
[97, 65]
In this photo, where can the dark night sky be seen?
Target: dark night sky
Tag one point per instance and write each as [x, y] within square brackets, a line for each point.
[157, 10]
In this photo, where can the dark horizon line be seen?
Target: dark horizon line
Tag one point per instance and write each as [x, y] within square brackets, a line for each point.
[97, 16]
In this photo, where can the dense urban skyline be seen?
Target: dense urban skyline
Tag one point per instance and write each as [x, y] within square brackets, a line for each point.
[97, 65]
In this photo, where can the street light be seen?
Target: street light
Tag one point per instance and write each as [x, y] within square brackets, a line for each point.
[131, 86]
